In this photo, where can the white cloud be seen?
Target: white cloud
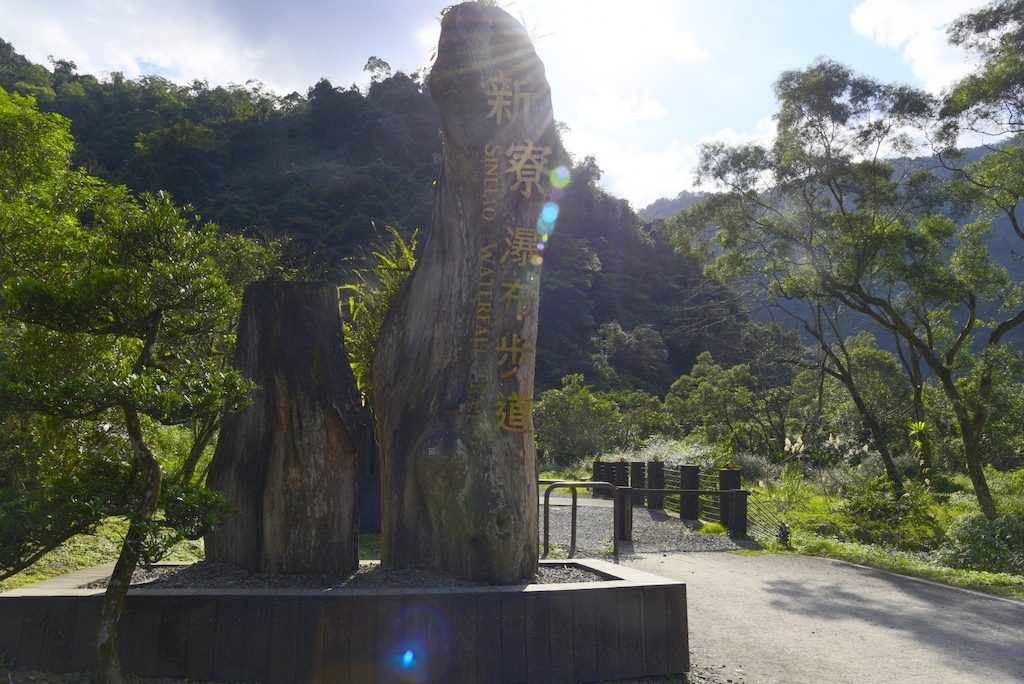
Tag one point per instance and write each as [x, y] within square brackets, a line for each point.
[764, 133]
[918, 29]
[182, 40]
[608, 110]
[596, 42]
[642, 176]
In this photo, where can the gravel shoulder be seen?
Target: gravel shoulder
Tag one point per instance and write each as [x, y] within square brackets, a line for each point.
[654, 531]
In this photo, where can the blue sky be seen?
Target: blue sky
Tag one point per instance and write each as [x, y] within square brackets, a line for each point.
[639, 84]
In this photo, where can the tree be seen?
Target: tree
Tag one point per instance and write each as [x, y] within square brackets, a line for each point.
[730, 407]
[989, 102]
[117, 316]
[841, 360]
[575, 423]
[991, 99]
[377, 68]
[631, 359]
[831, 215]
[376, 287]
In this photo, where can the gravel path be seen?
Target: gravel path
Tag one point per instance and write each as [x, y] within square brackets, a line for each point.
[653, 532]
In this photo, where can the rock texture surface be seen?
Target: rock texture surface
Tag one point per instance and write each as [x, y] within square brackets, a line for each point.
[289, 461]
[453, 373]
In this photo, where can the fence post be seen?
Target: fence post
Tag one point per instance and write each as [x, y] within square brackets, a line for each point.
[621, 476]
[728, 479]
[689, 504]
[625, 530]
[598, 477]
[738, 516]
[656, 480]
[637, 480]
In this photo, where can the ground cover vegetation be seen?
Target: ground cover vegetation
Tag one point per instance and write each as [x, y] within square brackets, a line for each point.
[116, 318]
[878, 406]
[840, 317]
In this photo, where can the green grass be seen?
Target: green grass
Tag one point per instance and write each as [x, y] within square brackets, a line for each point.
[87, 550]
[906, 564]
[565, 474]
[369, 546]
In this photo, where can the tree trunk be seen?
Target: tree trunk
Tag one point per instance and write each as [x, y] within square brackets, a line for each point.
[453, 371]
[108, 663]
[976, 471]
[289, 461]
[972, 425]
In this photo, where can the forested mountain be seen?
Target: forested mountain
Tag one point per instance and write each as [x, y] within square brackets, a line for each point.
[665, 208]
[328, 170]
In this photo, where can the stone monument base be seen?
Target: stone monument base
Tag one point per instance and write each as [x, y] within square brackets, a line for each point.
[631, 625]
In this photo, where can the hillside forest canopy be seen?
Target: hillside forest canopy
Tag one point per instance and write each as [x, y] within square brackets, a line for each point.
[842, 305]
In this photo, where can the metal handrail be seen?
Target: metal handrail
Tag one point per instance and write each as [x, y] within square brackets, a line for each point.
[558, 484]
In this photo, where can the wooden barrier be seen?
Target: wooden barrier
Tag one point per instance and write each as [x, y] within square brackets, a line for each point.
[633, 625]
[656, 480]
[689, 504]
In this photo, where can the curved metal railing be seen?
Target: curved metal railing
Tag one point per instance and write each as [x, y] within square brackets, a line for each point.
[559, 484]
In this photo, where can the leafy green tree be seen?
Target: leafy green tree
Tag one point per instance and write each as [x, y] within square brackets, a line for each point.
[991, 99]
[822, 216]
[117, 317]
[851, 362]
[870, 387]
[634, 359]
[58, 478]
[604, 266]
[728, 407]
[576, 422]
[377, 68]
[372, 295]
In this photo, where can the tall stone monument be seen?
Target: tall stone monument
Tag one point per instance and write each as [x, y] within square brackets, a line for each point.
[289, 461]
[453, 372]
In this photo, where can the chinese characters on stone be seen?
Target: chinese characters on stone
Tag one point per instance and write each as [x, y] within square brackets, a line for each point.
[525, 168]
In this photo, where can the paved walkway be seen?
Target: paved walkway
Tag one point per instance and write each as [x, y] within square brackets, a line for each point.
[779, 619]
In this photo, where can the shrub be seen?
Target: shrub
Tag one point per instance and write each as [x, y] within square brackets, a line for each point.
[943, 488]
[873, 513]
[1008, 489]
[669, 451]
[713, 528]
[790, 492]
[990, 545]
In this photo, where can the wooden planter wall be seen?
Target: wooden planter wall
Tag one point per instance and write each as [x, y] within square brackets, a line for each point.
[631, 626]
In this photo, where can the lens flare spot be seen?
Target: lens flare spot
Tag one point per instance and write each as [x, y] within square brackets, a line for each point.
[561, 176]
[549, 214]
[408, 659]
[536, 260]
